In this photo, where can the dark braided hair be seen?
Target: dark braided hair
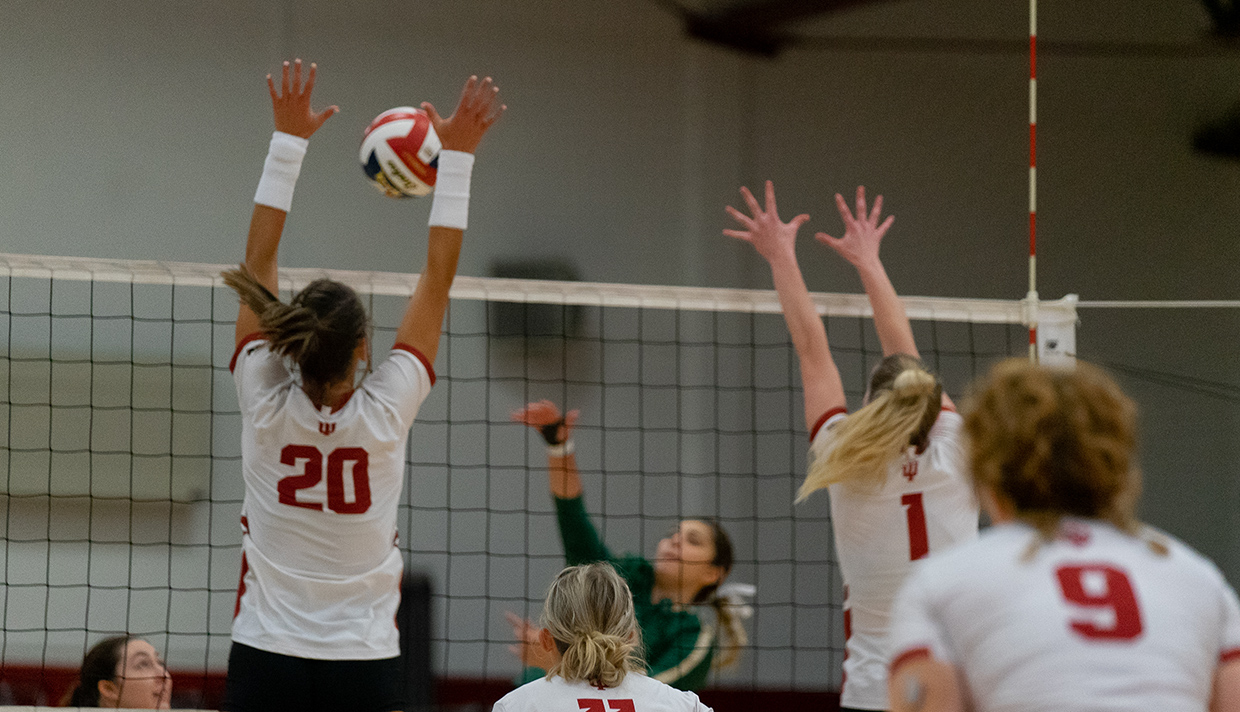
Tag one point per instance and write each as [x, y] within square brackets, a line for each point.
[318, 330]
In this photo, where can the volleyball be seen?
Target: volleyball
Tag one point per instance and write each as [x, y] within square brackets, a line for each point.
[400, 152]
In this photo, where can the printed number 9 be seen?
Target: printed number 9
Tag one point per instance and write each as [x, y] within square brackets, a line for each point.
[1115, 594]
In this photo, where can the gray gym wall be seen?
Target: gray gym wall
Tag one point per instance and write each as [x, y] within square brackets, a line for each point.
[137, 130]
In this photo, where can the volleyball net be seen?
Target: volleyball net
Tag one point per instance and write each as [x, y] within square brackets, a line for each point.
[120, 453]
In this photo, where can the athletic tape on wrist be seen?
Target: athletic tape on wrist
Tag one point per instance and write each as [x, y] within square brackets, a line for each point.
[564, 449]
[280, 171]
[450, 206]
[551, 432]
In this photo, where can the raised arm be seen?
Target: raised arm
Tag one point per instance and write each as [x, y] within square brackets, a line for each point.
[863, 234]
[295, 122]
[557, 430]
[776, 242]
[459, 134]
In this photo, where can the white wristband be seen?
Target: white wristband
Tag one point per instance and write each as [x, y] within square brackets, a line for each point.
[564, 449]
[450, 206]
[280, 171]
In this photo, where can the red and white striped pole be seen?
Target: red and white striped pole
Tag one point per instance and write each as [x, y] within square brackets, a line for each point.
[1032, 297]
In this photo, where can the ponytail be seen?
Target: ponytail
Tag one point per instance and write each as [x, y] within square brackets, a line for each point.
[900, 415]
[731, 610]
[589, 612]
[318, 330]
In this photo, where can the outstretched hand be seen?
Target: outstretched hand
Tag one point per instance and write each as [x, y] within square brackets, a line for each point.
[772, 238]
[291, 105]
[862, 233]
[540, 414]
[529, 648]
[478, 109]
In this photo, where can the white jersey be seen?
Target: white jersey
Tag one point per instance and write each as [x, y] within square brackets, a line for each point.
[320, 570]
[636, 693]
[926, 505]
[1094, 620]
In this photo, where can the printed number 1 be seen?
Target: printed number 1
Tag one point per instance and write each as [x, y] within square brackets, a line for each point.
[1111, 591]
[597, 705]
[915, 512]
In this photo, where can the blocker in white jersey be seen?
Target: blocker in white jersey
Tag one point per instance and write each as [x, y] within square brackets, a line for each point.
[1095, 619]
[314, 628]
[636, 693]
[924, 505]
[893, 468]
[321, 571]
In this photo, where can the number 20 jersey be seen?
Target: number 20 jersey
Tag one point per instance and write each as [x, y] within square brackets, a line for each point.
[926, 504]
[320, 570]
[1095, 619]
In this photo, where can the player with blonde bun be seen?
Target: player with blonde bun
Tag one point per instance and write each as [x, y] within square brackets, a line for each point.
[590, 631]
[893, 468]
[322, 453]
[1068, 603]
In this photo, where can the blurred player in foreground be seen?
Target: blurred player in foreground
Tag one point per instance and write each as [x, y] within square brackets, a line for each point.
[1068, 602]
[323, 456]
[591, 634]
[893, 468]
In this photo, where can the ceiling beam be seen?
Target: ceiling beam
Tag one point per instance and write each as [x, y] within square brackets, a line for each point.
[759, 26]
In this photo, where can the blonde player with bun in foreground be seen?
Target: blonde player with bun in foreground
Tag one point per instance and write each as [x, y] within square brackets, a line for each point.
[689, 569]
[893, 468]
[323, 455]
[1068, 602]
[591, 635]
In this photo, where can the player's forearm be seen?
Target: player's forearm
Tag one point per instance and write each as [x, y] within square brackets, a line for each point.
[423, 320]
[890, 320]
[263, 243]
[820, 378]
[565, 480]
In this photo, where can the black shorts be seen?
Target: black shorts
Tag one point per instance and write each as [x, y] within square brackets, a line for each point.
[259, 681]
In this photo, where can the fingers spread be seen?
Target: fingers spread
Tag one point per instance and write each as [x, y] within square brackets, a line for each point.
[284, 81]
[739, 234]
[430, 111]
[271, 87]
[770, 198]
[861, 211]
[886, 224]
[314, 69]
[751, 202]
[878, 210]
[740, 217]
[843, 206]
[296, 76]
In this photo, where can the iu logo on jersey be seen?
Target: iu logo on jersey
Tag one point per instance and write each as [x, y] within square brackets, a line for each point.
[910, 469]
[327, 428]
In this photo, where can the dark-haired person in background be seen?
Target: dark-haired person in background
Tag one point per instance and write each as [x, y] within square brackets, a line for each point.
[122, 672]
[323, 456]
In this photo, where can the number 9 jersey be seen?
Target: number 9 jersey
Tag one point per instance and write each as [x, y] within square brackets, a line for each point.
[1096, 619]
[320, 570]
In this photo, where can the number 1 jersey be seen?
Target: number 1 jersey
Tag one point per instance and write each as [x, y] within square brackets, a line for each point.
[320, 570]
[926, 504]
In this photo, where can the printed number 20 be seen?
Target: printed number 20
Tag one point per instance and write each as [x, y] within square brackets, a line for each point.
[597, 705]
[1112, 591]
[312, 472]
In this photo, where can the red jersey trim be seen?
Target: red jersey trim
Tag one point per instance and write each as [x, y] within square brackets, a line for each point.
[908, 656]
[813, 432]
[245, 568]
[1229, 655]
[232, 365]
[430, 370]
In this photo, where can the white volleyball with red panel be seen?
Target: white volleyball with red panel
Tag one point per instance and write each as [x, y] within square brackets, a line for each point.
[400, 152]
